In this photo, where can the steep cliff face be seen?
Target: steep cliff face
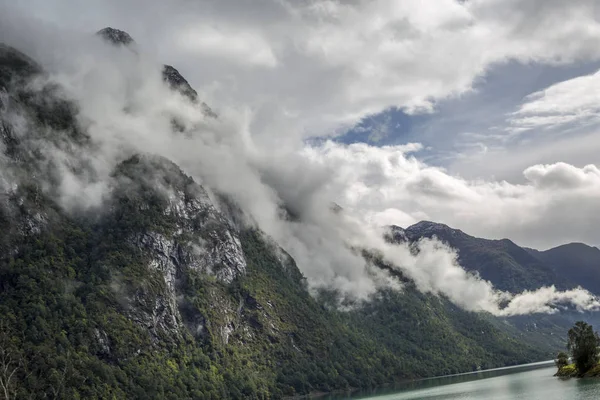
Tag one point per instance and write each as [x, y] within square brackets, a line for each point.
[154, 207]
[172, 221]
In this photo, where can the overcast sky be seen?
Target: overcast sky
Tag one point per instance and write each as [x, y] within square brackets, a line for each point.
[482, 114]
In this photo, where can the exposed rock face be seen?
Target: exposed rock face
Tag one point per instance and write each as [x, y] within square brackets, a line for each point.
[15, 65]
[155, 311]
[200, 239]
[179, 83]
[103, 342]
[116, 36]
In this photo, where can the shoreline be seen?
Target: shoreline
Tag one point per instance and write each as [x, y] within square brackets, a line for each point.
[570, 371]
[533, 365]
[528, 366]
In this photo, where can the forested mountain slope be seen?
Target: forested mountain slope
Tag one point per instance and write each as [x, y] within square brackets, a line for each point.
[515, 269]
[164, 293]
[576, 262]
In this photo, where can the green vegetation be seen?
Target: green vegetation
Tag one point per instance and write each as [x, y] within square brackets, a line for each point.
[87, 310]
[562, 360]
[583, 345]
[567, 371]
[68, 292]
[576, 262]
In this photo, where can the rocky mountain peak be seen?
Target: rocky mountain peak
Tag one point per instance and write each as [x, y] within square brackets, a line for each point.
[116, 36]
[424, 229]
[177, 82]
[14, 66]
[169, 73]
[427, 228]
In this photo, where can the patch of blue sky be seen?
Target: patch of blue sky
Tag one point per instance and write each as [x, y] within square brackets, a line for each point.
[475, 120]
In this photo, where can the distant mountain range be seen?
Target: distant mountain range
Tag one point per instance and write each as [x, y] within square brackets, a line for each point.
[511, 267]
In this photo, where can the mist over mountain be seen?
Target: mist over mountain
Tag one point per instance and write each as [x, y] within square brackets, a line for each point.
[149, 247]
[509, 266]
[517, 269]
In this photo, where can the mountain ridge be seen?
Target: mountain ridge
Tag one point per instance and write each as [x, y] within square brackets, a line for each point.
[509, 266]
[556, 259]
[579, 261]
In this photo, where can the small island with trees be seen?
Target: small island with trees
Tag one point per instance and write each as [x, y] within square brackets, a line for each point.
[583, 347]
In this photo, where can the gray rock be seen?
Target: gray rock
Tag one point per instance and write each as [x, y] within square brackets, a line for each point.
[177, 82]
[116, 36]
[200, 239]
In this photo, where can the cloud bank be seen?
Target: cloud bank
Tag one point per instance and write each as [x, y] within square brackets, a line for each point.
[126, 108]
[557, 203]
[317, 65]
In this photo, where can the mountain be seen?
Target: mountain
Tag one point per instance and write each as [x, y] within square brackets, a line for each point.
[511, 267]
[165, 292]
[170, 75]
[514, 269]
[116, 36]
[508, 266]
[577, 262]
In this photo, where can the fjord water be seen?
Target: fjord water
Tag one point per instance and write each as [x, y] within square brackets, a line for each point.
[527, 382]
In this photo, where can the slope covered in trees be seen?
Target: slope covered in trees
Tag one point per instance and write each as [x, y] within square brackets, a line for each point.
[121, 302]
[576, 262]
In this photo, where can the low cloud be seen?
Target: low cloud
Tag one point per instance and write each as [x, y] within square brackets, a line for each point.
[238, 47]
[435, 269]
[125, 108]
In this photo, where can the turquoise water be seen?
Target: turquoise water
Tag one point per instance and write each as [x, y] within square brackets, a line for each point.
[529, 382]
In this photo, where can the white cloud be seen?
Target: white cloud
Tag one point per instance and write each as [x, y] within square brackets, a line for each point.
[563, 176]
[558, 203]
[573, 101]
[329, 62]
[243, 47]
[548, 300]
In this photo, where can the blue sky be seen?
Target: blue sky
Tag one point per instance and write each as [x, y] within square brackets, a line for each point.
[468, 124]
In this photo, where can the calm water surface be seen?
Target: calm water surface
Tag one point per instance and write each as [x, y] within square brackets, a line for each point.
[515, 383]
